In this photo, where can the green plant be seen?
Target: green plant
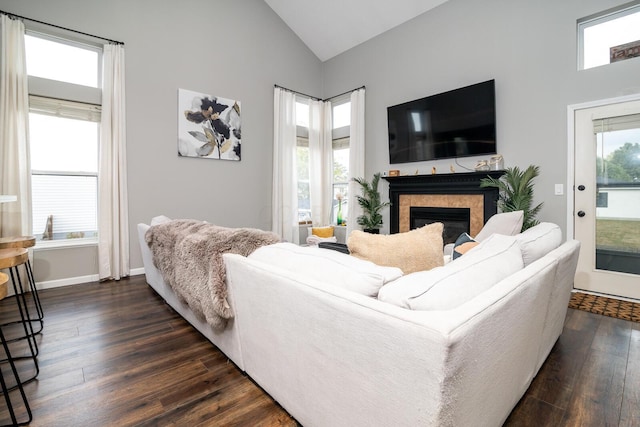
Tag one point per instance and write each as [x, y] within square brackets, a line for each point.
[516, 192]
[371, 218]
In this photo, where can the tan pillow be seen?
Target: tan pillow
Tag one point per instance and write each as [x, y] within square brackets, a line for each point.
[415, 250]
[323, 232]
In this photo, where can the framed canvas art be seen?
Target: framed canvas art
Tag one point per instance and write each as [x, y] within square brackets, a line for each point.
[208, 126]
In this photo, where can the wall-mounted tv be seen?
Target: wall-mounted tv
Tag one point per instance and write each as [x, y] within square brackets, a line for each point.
[458, 123]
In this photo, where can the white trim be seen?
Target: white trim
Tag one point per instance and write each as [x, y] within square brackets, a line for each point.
[600, 294]
[56, 89]
[571, 110]
[137, 271]
[46, 245]
[67, 282]
[340, 133]
[50, 284]
[571, 161]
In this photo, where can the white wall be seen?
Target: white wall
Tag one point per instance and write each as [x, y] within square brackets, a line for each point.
[233, 49]
[527, 46]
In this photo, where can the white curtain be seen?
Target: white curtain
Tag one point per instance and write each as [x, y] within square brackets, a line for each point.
[285, 182]
[113, 216]
[15, 174]
[356, 156]
[320, 162]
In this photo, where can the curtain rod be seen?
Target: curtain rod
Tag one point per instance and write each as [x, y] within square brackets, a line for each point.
[344, 93]
[13, 15]
[299, 93]
[315, 97]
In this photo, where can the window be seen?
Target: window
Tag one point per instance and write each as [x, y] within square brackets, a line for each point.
[609, 36]
[302, 161]
[63, 61]
[341, 119]
[64, 128]
[341, 127]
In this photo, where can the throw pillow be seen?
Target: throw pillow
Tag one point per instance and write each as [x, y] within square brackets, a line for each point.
[445, 288]
[415, 250]
[538, 241]
[507, 223]
[160, 219]
[323, 232]
[463, 244]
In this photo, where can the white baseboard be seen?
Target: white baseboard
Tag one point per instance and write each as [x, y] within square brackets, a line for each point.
[67, 281]
[79, 279]
[137, 271]
[600, 294]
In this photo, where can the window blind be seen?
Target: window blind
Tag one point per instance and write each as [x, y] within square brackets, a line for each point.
[71, 201]
[611, 124]
[64, 108]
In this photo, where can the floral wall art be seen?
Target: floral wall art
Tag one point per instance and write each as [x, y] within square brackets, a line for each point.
[208, 126]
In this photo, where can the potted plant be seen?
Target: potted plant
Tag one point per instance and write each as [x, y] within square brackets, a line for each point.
[371, 218]
[516, 192]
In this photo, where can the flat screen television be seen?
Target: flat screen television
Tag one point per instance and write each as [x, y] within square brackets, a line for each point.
[458, 123]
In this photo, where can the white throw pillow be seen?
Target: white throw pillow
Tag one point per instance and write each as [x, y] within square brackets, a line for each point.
[507, 223]
[160, 219]
[538, 241]
[327, 266]
[444, 288]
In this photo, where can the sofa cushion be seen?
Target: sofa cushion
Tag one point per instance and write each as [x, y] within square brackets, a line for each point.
[447, 287]
[415, 250]
[332, 267]
[538, 241]
[323, 232]
[507, 223]
[463, 244]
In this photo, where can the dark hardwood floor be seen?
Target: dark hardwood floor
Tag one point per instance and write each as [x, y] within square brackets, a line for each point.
[113, 354]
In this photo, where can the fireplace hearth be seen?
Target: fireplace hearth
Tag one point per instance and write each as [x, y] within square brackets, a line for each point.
[456, 200]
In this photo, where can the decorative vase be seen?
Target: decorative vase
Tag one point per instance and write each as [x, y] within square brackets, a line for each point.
[496, 163]
[372, 230]
[339, 214]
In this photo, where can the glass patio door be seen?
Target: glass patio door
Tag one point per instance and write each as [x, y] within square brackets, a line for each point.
[607, 198]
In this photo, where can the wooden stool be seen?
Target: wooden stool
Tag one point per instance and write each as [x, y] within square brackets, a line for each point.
[6, 389]
[25, 242]
[11, 259]
[17, 242]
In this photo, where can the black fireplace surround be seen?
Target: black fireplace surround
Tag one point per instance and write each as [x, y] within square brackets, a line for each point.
[450, 183]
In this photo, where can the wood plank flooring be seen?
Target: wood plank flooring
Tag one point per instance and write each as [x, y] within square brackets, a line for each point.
[591, 377]
[113, 354]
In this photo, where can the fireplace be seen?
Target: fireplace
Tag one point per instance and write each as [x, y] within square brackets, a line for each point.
[456, 200]
[456, 220]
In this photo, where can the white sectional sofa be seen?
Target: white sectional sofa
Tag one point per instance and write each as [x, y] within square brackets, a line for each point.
[309, 329]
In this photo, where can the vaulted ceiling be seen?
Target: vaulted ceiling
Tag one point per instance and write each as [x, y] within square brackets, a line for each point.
[330, 27]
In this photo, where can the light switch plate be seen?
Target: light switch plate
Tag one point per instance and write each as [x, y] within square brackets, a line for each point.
[559, 190]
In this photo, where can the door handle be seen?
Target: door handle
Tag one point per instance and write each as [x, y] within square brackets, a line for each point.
[581, 214]
[581, 187]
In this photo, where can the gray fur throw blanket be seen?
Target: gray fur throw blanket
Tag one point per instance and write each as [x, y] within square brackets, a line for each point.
[188, 253]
